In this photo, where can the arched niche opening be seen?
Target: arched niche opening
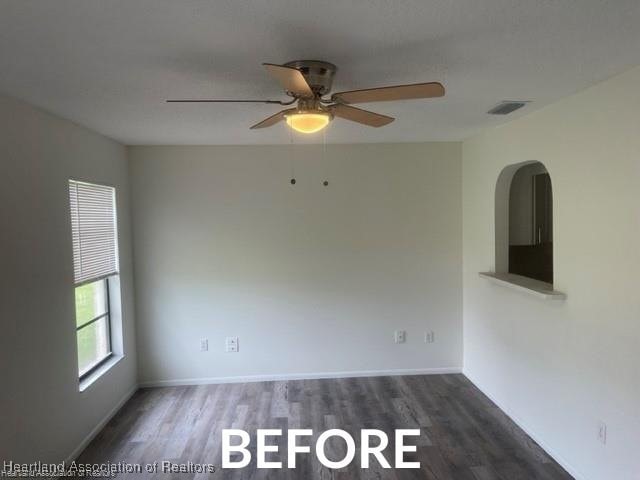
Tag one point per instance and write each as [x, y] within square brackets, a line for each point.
[524, 221]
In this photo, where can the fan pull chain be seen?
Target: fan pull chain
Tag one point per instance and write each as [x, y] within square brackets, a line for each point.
[325, 182]
[292, 167]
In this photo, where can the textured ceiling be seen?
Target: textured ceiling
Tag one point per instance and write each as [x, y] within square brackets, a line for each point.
[109, 64]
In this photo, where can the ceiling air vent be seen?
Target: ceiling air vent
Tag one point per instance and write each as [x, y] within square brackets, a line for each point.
[504, 108]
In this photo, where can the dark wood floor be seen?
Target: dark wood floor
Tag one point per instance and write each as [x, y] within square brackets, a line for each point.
[464, 436]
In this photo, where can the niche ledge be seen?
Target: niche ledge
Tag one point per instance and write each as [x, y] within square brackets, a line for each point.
[533, 287]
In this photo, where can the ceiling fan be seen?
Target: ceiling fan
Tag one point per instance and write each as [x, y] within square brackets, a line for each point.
[309, 82]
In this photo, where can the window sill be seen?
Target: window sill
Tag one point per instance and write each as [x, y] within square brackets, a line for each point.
[533, 287]
[99, 372]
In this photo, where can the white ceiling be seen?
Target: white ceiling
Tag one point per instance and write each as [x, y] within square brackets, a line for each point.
[110, 64]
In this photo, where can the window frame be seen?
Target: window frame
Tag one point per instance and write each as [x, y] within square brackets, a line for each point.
[113, 300]
[107, 315]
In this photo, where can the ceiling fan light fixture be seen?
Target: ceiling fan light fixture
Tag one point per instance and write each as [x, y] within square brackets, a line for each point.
[308, 84]
[308, 122]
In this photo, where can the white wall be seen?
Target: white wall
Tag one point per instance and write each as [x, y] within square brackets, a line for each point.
[44, 416]
[311, 279]
[559, 368]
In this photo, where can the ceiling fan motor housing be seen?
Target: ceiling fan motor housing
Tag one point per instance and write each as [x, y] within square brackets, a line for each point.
[318, 74]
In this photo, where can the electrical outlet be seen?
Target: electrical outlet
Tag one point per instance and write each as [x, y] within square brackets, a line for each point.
[400, 336]
[232, 345]
[602, 433]
[204, 344]
[429, 337]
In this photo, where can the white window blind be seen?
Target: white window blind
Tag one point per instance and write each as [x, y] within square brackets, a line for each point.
[94, 233]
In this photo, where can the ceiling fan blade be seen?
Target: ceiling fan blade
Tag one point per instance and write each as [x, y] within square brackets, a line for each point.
[273, 119]
[386, 94]
[361, 116]
[291, 79]
[226, 101]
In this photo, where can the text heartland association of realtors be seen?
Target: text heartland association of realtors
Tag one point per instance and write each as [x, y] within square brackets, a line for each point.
[372, 444]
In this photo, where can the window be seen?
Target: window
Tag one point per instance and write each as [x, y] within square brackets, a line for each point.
[95, 266]
[524, 222]
[93, 325]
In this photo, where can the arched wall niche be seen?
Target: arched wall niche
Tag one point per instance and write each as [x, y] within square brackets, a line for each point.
[523, 240]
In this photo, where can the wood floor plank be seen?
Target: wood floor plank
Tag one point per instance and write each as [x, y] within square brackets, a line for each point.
[464, 436]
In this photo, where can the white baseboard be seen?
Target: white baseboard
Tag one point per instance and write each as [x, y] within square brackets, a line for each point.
[561, 461]
[92, 434]
[299, 376]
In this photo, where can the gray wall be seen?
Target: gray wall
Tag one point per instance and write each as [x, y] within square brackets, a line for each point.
[44, 416]
[312, 279]
[559, 368]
